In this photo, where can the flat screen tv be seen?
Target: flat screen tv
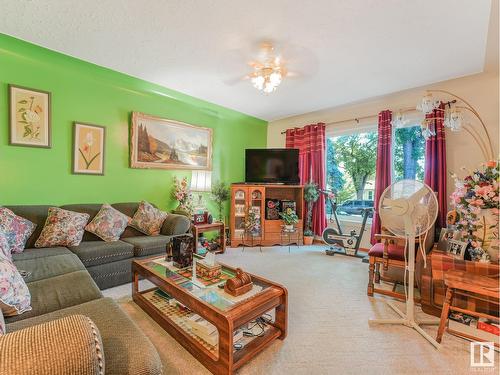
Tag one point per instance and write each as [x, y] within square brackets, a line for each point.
[274, 165]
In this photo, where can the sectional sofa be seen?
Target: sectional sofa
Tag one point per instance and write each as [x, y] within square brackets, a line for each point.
[64, 283]
[109, 263]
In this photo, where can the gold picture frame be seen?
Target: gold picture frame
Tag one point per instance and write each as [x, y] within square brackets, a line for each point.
[29, 117]
[161, 143]
[89, 142]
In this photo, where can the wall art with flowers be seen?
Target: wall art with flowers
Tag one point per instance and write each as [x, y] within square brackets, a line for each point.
[88, 148]
[476, 201]
[29, 117]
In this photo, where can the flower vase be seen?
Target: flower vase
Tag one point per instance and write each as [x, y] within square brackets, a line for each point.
[487, 232]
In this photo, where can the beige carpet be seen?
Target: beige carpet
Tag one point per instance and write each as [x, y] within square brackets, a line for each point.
[328, 323]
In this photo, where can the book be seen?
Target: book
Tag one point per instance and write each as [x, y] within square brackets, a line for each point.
[469, 325]
[488, 326]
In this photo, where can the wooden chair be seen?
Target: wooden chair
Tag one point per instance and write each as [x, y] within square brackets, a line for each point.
[389, 254]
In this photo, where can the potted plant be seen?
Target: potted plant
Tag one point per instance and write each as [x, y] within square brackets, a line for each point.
[311, 195]
[220, 194]
[289, 218]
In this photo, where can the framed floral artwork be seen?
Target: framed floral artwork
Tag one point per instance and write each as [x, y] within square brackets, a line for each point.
[88, 148]
[167, 144]
[29, 117]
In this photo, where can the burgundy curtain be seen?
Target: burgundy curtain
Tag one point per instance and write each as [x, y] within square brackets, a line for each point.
[311, 142]
[435, 162]
[383, 167]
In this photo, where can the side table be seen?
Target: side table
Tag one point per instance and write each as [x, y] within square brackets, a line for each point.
[199, 229]
[470, 285]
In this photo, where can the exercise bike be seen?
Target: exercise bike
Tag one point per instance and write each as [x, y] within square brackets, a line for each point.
[340, 243]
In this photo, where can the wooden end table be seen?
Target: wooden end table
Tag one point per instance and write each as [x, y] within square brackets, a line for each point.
[222, 358]
[198, 229]
[471, 285]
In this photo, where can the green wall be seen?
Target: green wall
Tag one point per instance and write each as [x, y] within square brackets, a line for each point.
[89, 93]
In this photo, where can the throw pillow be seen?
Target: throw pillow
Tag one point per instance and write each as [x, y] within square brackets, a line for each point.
[15, 296]
[4, 245]
[108, 224]
[62, 228]
[17, 229]
[2, 324]
[148, 219]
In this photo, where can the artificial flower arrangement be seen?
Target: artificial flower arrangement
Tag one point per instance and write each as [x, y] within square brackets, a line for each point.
[476, 201]
[183, 195]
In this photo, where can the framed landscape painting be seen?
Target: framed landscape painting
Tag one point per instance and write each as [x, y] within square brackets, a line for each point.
[166, 144]
[29, 117]
[88, 148]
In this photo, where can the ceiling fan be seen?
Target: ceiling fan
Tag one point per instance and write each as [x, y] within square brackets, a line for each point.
[268, 64]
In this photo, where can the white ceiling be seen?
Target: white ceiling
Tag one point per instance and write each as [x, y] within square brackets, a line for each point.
[353, 49]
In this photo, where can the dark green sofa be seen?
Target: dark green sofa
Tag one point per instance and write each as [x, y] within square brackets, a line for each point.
[109, 263]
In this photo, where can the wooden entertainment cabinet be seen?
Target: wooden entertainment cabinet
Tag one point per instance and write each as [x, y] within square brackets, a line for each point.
[246, 197]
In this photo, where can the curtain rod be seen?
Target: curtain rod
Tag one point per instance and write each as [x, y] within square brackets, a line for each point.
[357, 119]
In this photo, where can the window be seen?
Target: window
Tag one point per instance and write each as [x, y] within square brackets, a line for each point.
[351, 161]
[408, 151]
[350, 172]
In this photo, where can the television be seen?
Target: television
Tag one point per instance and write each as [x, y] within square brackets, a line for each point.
[272, 165]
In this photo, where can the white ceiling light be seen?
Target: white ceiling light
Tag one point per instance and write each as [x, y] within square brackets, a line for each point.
[269, 72]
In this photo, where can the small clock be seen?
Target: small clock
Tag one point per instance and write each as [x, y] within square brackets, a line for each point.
[200, 218]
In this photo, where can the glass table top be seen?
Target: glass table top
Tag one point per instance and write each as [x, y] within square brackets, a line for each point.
[205, 289]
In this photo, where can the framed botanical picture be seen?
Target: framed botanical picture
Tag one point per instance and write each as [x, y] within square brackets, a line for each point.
[29, 117]
[166, 144]
[88, 148]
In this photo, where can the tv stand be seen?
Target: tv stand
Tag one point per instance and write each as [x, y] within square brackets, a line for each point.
[246, 197]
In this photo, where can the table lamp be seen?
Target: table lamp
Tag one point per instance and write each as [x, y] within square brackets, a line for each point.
[201, 181]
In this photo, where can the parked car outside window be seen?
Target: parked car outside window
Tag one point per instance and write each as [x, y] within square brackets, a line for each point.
[354, 207]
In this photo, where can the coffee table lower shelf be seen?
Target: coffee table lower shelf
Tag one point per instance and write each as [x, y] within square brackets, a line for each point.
[172, 320]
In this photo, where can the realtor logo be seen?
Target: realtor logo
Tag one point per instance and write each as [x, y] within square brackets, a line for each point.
[482, 354]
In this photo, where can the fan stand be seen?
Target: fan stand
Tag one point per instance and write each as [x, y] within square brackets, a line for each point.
[408, 319]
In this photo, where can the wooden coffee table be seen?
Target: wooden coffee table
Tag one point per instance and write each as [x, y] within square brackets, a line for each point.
[225, 312]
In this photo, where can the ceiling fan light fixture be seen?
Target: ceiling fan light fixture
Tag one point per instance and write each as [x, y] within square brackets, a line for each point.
[269, 72]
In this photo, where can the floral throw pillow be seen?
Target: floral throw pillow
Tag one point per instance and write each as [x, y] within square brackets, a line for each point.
[2, 324]
[16, 228]
[108, 224]
[4, 246]
[148, 219]
[15, 296]
[62, 228]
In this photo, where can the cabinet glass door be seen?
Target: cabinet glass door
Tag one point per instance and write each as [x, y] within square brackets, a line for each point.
[240, 211]
[255, 212]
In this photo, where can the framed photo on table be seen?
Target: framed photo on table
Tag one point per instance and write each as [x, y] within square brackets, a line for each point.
[456, 248]
[29, 117]
[88, 148]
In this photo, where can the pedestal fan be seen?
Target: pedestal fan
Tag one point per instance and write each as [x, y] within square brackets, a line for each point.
[408, 209]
